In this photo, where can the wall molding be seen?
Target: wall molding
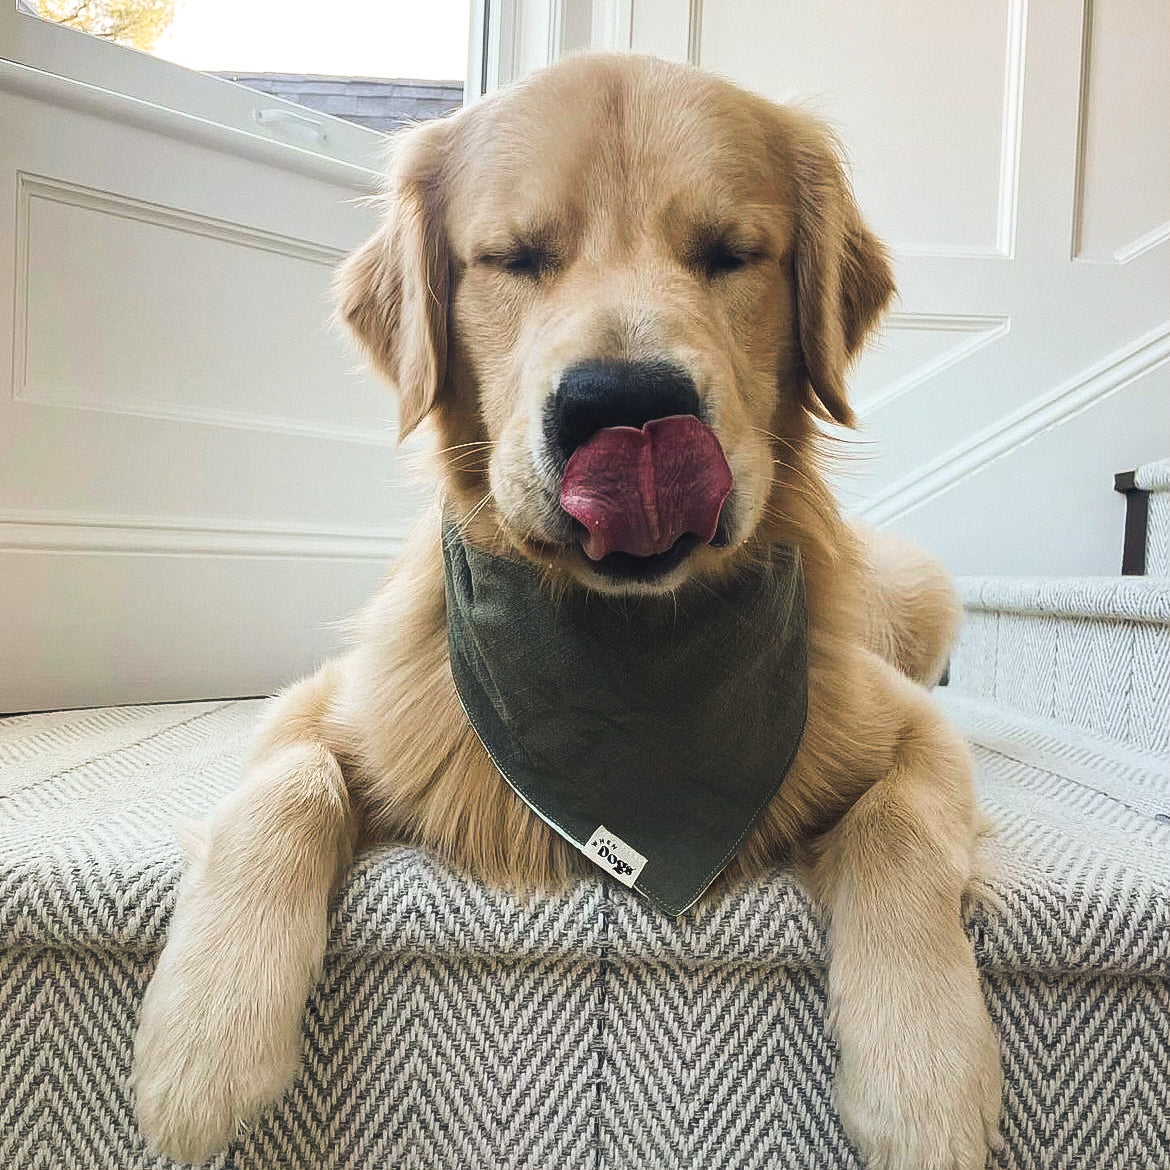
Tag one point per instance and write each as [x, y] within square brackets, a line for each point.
[694, 31]
[984, 329]
[1082, 145]
[1010, 151]
[1003, 246]
[1015, 430]
[1011, 134]
[31, 187]
[68, 93]
[237, 420]
[75, 532]
[1147, 242]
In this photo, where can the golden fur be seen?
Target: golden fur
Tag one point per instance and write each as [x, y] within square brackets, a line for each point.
[566, 219]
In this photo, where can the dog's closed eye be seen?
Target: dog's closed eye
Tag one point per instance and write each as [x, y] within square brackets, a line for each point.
[717, 253]
[527, 259]
[719, 258]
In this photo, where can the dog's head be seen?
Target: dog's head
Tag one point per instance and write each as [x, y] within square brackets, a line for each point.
[619, 289]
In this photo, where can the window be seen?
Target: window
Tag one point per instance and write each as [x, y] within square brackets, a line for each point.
[378, 63]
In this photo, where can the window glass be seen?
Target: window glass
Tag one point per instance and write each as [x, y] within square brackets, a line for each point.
[378, 63]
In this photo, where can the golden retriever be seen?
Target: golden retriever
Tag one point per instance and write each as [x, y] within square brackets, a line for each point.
[619, 210]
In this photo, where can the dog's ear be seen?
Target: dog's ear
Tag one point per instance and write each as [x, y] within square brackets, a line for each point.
[843, 274]
[393, 291]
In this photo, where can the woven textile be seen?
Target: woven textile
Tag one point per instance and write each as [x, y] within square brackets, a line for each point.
[456, 1028]
[1155, 478]
[1089, 652]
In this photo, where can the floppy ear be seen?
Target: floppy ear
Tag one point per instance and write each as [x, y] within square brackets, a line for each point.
[843, 275]
[393, 291]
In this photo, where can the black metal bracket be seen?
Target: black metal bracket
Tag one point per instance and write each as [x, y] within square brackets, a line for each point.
[1137, 519]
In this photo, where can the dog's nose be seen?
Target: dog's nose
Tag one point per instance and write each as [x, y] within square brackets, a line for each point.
[613, 393]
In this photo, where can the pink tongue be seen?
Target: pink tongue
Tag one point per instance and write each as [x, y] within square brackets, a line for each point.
[637, 491]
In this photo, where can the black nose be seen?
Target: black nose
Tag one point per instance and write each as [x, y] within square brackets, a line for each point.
[613, 393]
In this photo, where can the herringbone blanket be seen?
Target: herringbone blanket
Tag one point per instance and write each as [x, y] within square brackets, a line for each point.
[457, 1028]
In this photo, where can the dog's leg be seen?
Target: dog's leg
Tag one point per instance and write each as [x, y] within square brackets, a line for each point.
[911, 609]
[219, 1034]
[919, 1079]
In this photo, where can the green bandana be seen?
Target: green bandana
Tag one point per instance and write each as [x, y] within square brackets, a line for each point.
[651, 735]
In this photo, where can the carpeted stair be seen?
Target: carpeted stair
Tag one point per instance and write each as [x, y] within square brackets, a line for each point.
[1154, 480]
[1085, 652]
[456, 1028]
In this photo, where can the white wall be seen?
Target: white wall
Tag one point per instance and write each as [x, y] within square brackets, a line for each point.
[1016, 157]
[1048, 507]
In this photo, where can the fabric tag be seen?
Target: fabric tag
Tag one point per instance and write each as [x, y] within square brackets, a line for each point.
[618, 859]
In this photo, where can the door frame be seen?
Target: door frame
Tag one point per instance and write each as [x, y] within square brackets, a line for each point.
[511, 38]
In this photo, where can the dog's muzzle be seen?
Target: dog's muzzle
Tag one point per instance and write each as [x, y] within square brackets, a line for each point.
[644, 474]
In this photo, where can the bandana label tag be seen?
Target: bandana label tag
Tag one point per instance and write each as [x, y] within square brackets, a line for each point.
[618, 859]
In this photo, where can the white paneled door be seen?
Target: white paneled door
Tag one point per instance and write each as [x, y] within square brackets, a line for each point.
[1016, 156]
[196, 479]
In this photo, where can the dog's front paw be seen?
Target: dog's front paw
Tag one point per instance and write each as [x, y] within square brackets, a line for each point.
[204, 1063]
[927, 1100]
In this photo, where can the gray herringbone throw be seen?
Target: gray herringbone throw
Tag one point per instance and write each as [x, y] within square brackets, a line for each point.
[456, 1028]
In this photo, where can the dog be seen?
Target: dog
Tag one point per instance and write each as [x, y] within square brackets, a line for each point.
[609, 219]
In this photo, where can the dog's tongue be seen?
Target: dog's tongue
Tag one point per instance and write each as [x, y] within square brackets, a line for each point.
[637, 491]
